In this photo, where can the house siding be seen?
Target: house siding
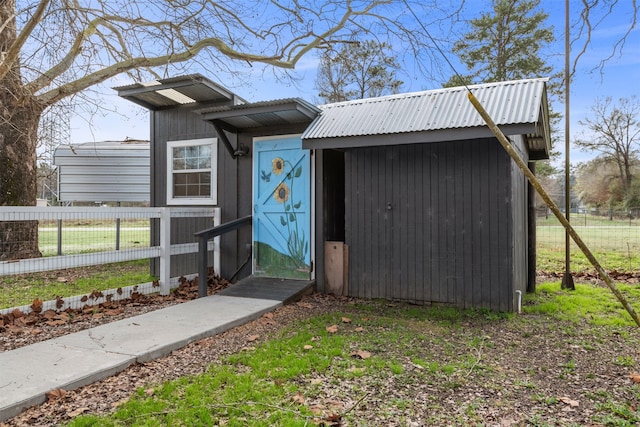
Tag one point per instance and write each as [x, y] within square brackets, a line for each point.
[181, 124]
[234, 188]
[433, 223]
[520, 196]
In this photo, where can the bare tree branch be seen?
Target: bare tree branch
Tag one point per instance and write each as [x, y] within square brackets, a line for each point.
[13, 53]
[589, 21]
[118, 34]
[286, 56]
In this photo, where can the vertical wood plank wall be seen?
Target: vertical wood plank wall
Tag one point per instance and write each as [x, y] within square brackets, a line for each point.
[180, 124]
[520, 194]
[434, 223]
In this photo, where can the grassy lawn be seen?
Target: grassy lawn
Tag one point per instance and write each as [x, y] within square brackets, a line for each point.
[92, 237]
[615, 243]
[22, 289]
[377, 363]
[80, 237]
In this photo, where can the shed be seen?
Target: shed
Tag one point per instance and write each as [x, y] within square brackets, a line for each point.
[431, 208]
[109, 171]
[435, 210]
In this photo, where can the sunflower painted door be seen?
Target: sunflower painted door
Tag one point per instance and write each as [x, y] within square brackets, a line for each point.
[282, 214]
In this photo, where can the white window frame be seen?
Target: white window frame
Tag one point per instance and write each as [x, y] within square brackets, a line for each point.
[186, 201]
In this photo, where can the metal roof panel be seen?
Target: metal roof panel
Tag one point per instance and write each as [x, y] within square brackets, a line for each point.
[507, 102]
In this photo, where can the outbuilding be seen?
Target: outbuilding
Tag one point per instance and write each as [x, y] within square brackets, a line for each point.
[105, 171]
[404, 197]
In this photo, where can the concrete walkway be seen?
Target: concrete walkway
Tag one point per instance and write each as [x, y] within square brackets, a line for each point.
[71, 361]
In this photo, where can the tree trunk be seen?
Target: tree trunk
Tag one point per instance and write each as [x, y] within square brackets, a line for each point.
[18, 179]
[19, 116]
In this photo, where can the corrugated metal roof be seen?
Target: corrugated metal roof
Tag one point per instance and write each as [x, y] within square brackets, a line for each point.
[508, 103]
[176, 91]
[262, 114]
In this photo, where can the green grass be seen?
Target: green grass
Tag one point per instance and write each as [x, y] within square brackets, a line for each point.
[283, 380]
[276, 383]
[21, 290]
[94, 238]
[615, 243]
[592, 303]
[615, 248]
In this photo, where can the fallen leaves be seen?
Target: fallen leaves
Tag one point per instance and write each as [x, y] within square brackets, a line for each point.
[360, 354]
[267, 319]
[36, 305]
[571, 402]
[40, 324]
[298, 398]
[56, 394]
[252, 338]
[635, 377]
[332, 329]
[78, 411]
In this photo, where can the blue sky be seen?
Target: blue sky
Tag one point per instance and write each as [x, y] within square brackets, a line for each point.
[620, 78]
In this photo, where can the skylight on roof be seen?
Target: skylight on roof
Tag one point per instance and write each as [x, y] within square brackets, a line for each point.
[172, 94]
[176, 96]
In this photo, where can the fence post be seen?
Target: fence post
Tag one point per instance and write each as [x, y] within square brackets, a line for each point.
[165, 251]
[203, 276]
[217, 220]
[59, 237]
[118, 230]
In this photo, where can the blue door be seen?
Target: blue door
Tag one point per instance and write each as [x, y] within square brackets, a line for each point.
[282, 214]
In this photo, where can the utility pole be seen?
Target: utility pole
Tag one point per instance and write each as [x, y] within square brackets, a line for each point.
[567, 279]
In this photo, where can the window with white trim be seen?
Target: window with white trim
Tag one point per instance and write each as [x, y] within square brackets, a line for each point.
[192, 172]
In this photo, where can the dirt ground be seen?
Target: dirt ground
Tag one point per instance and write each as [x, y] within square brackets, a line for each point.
[534, 372]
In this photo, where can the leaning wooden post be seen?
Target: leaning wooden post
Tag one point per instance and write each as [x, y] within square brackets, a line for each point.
[556, 211]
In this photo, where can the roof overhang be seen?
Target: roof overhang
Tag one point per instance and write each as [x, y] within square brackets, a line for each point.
[264, 114]
[193, 90]
[430, 136]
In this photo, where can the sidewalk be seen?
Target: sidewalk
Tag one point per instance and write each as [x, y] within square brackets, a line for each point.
[71, 361]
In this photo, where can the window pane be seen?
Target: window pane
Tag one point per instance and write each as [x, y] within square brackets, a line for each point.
[205, 151]
[193, 179]
[192, 163]
[180, 178]
[204, 163]
[178, 158]
[178, 152]
[191, 151]
[205, 190]
[192, 184]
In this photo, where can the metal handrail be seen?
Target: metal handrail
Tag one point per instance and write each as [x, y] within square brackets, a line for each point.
[203, 238]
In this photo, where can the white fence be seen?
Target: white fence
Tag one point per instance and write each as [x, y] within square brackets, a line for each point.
[95, 254]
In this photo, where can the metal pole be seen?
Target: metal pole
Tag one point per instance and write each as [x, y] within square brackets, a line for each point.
[118, 231]
[567, 279]
[59, 237]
